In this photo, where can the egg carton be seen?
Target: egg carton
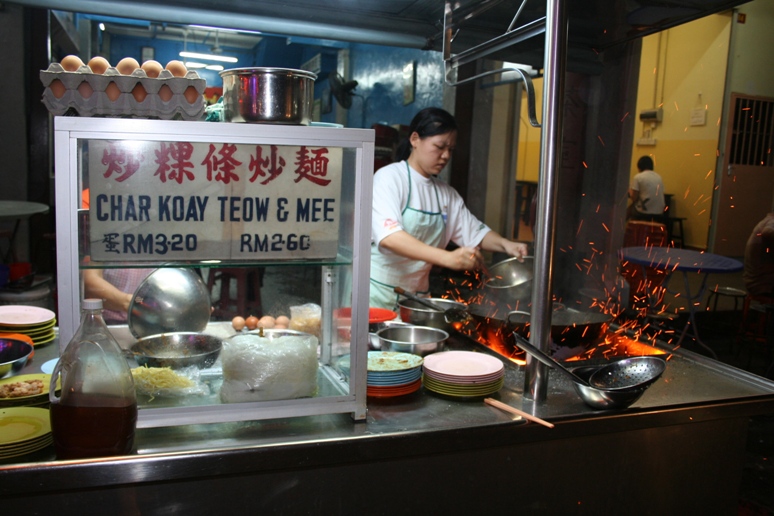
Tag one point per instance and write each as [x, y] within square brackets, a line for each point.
[99, 102]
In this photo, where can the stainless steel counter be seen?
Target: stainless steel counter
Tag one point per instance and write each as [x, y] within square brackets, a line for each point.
[689, 426]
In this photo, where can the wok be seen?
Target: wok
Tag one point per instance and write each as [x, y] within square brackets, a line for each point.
[569, 328]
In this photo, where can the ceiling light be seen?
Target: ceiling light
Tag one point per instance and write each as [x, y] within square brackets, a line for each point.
[216, 68]
[194, 65]
[102, 27]
[211, 57]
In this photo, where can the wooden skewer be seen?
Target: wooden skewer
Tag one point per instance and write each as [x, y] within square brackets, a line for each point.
[508, 408]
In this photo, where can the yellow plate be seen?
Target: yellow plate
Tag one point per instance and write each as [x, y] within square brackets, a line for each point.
[45, 378]
[19, 424]
[28, 329]
[46, 340]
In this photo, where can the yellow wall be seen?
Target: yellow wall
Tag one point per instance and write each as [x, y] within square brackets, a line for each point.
[528, 162]
[682, 69]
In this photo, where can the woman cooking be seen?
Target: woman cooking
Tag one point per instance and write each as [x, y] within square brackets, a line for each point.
[415, 215]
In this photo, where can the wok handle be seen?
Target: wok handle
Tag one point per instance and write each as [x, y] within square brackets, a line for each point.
[545, 359]
[413, 297]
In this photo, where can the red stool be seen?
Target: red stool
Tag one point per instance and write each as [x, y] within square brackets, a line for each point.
[248, 291]
[645, 283]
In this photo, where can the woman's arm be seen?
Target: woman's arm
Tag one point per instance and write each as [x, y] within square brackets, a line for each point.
[496, 243]
[96, 286]
[460, 259]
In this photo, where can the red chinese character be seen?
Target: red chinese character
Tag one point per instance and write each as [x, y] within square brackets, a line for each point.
[269, 167]
[312, 167]
[120, 161]
[223, 164]
[173, 158]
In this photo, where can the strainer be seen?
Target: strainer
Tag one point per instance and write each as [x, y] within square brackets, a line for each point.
[628, 373]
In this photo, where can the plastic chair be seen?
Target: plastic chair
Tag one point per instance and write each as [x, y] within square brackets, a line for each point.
[738, 295]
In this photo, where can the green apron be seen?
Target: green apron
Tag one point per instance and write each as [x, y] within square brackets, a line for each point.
[389, 270]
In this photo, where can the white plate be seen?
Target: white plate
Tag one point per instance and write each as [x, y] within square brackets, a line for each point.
[48, 367]
[462, 364]
[20, 315]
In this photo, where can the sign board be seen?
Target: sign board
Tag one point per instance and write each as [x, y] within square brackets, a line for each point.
[165, 201]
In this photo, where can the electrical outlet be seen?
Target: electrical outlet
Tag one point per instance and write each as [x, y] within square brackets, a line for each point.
[646, 141]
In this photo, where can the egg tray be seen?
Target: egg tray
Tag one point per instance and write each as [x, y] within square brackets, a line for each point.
[126, 105]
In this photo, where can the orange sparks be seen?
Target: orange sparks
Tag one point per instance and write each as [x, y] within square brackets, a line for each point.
[601, 140]
[626, 115]
[606, 228]
[708, 174]
[677, 108]
[584, 164]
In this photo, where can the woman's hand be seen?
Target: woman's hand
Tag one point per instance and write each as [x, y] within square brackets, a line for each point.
[496, 243]
[465, 259]
[516, 249]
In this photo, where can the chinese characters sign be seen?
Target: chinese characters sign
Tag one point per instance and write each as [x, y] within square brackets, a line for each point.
[163, 201]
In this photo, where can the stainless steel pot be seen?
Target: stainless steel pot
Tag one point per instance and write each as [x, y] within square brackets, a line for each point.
[268, 95]
[510, 281]
[419, 340]
[177, 350]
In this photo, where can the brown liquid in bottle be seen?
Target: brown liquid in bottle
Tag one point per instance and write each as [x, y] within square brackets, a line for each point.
[93, 431]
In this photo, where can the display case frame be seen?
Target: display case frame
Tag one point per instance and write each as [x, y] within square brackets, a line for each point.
[350, 393]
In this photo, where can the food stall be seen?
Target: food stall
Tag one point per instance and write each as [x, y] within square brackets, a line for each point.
[679, 448]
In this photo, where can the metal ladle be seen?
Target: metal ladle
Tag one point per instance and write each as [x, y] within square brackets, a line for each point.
[451, 315]
[629, 373]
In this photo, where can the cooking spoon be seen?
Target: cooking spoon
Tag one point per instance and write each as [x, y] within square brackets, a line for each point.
[545, 359]
[451, 315]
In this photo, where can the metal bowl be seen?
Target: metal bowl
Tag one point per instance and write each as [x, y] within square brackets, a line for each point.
[373, 330]
[268, 95]
[419, 340]
[169, 300]
[13, 356]
[177, 350]
[605, 399]
[414, 312]
[511, 280]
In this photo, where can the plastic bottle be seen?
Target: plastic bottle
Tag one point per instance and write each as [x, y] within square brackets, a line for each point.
[96, 415]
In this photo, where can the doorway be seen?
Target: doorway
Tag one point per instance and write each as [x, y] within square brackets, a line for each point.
[746, 179]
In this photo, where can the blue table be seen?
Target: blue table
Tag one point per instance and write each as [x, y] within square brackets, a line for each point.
[670, 260]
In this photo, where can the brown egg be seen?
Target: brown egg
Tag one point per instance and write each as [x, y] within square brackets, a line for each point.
[177, 68]
[152, 68]
[112, 91]
[191, 95]
[165, 93]
[57, 88]
[280, 326]
[71, 63]
[139, 93]
[127, 65]
[251, 322]
[99, 64]
[282, 320]
[238, 323]
[85, 89]
[267, 321]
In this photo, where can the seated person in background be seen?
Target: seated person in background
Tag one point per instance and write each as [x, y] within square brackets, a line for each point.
[759, 258]
[646, 192]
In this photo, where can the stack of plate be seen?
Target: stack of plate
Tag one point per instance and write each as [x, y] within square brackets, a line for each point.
[35, 400]
[463, 374]
[23, 430]
[35, 322]
[393, 374]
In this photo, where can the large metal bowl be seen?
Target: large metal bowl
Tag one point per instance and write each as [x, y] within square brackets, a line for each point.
[177, 350]
[268, 95]
[13, 356]
[414, 312]
[169, 300]
[511, 280]
[419, 340]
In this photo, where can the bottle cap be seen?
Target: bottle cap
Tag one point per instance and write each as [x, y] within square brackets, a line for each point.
[92, 304]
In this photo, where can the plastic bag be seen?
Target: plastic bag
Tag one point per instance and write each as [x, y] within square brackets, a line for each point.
[166, 382]
[306, 318]
[258, 368]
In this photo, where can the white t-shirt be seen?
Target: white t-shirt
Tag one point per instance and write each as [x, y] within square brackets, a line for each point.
[651, 192]
[391, 193]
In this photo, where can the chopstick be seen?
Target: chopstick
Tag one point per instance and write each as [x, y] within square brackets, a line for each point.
[508, 408]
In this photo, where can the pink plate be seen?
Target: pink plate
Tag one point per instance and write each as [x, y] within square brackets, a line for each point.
[462, 365]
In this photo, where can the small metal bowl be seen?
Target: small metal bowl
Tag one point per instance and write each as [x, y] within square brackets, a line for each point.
[418, 340]
[13, 356]
[169, 300]
[177, 350]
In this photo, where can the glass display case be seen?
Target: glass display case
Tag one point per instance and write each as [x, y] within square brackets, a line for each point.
[147, 194]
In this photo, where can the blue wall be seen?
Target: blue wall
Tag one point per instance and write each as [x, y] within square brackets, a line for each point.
[378, 70]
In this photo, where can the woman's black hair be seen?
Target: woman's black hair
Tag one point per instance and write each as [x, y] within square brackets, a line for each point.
[428, 122]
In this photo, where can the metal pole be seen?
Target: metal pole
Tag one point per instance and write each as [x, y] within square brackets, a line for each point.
[536, 374]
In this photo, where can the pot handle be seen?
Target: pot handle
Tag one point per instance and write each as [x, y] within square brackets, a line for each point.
[515, 312]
